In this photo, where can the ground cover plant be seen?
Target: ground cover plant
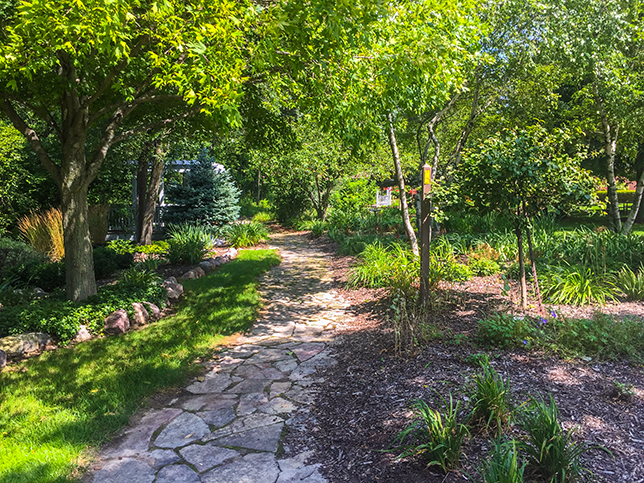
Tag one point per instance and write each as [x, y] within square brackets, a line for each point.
[53, 407]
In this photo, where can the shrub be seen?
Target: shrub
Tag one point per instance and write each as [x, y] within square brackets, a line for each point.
[44, 232]
[107, 261]
[484, 267]
[188, 243]
[503, 330]
[62, 318]
[631, 283]
[47, 276]
[551, 451]
[244, 235]
[16, 258]
[503, 465]
[491, 397]
[436, 437]
[127, 246]
[205, 197]
[577, 287]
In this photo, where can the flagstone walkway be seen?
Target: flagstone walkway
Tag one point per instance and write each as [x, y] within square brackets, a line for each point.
[227, 426]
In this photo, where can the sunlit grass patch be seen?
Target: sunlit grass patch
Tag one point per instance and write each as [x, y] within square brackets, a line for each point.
[71, 399]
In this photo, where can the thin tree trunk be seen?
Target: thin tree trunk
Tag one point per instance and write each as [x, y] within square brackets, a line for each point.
[409, 229]
[141, 189]
[637, 201]
[610, 147]
[524, 287]
[537, 290]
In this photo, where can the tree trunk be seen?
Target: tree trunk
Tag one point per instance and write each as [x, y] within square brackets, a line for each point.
[610, 133]
[537, 290]
[79, 260]
[524, 287]
[141, 189]
[152, 196]
[637, 200]
[409, 229]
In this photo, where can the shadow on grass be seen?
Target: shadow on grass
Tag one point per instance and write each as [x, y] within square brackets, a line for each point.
[82, 395]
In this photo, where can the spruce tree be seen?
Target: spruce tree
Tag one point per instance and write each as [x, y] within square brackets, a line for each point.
[206, 197]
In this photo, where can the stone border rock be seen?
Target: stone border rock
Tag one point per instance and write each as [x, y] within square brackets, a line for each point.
[118, 322]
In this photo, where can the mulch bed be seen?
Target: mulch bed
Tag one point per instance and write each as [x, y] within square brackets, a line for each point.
[364, 401]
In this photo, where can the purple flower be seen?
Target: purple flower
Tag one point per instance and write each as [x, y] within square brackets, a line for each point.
[525, 342]
[543, 321]
[553, 313]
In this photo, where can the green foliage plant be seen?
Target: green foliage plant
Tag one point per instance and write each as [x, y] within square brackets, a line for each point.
[504, 464]
[188, 243]
[623, 391]
[551, 451]
[16, 257]
[392, 267]
[437, 437]
[503, 330]
[243, 235]
[484, 267]
[577, 286]
[490, 398]
[631, 283]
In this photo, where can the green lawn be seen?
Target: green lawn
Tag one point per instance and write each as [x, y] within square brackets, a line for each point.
[72, 399]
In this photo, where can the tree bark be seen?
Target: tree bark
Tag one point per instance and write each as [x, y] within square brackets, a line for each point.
[409, 229]
[142, 167]
[610, 133]
[152, 196]
[537, 290]
[524, 287]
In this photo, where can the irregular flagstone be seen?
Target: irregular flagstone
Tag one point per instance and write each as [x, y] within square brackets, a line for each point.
[278, 405]
[183, 430]
[306, 351]
[243, 424]
[286, 366]
[278, 388]
[269, 355]
[137, 439]
[207, 402]
[252, 468]
[249, 403]
[177, 474]
[125, 470]
[295, 470]
[205, 456]
[250, 385]
[265, 438]
[212, 383]
[301, 395]
[218, 417]
[160, 457]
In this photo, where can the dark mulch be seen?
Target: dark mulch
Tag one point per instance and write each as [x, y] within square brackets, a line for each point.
[364, 401]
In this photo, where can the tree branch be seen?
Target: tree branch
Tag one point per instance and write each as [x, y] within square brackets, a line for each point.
[33, 139]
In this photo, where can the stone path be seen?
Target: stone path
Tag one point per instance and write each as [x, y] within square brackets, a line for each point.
[227, 426]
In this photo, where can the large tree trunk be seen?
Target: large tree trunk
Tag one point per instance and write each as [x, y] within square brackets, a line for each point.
[148, 194]
[79, 260]
[409, 229]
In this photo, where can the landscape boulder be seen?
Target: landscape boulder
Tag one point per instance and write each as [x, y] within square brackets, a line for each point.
[3, 359]
[153, 310]
[199, 272]
[83, 334]
[207, 266]
[174, 289]
[189, 275]
[232, 253]
[117, 323]
[21, 344]
[39, 293]
[141, 316]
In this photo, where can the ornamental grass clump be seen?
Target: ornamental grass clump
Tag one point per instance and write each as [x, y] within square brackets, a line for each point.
[491, 398]
[504, 464]
[551, 451]
[243, 235]
[631, 283]
[436, 437]
[188, 243]
[44, 232]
